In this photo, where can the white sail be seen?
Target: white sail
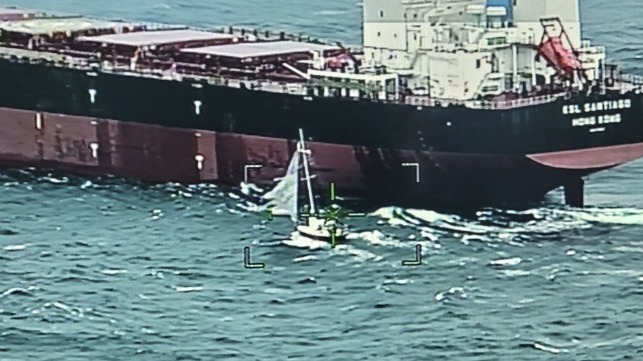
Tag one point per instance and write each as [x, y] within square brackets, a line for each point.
[283, 198]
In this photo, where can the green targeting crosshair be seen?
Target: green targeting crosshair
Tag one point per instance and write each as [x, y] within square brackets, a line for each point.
[334, 215]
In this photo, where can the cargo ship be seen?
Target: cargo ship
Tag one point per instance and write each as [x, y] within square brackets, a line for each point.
[446, 102]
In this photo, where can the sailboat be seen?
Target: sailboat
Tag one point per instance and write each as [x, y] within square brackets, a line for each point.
[285, 200]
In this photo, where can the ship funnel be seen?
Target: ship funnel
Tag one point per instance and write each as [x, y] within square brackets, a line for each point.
[500, 12]
[496, 11]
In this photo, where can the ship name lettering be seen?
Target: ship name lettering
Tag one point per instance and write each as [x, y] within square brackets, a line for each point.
[605, 105]
[607, 119]
[582, 122]
[571, 109]
[593, 120]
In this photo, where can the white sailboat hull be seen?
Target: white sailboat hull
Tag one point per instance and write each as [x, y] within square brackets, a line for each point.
[315, 229]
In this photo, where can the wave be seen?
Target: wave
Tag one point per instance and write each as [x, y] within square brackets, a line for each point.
[15, 247]
[331, 12]
[17, 291]
[507, 225]
[189, 289]
[541, 346]
[162, 6]
[514, 261]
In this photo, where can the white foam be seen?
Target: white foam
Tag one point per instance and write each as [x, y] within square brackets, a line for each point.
[56, 180]
[426, 233]
[397, 222]
[516, 273]
[386, 212]
[62, 306]
[427, 216]
[233, 196]
[397, 282]
[304, 258]
[625, 216]
[547, 348]
[189, 289]
[13, 290]
[506, 262]
[249, 188]
[299, 241]
[330, 12]
[453, 290]
[185, 194]
[273, 290]
[16, 247]
[473, 237]
[162, 6]
[248, 207]
[378, 238]
[113, 271]
[627, 249]
[360, 254]
[615, 217]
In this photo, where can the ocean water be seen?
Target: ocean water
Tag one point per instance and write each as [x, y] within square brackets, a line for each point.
[108, 269]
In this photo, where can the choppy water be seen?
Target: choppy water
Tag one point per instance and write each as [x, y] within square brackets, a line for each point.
[115, 270]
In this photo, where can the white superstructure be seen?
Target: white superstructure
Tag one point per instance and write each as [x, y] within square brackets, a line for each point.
[465, 49]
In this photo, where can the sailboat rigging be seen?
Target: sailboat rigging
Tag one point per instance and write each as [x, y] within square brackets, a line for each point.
[284, 199]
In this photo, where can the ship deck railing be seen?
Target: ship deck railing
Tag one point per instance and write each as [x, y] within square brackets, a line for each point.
[627, 83]
[75, 60]
[425, 101]
[632, 79]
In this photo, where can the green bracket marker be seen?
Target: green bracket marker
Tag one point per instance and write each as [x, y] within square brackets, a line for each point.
[246, 260]
[418, 257]
[332, 192]
[333, 235]
[268, 214]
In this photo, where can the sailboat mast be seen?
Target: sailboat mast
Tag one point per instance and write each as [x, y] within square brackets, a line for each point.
[294, 216]
[307, 172]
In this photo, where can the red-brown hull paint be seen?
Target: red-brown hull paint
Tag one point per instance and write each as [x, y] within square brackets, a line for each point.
[161, 154]
[601, 157]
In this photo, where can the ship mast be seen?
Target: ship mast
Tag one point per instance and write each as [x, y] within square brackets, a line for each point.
[304, 154]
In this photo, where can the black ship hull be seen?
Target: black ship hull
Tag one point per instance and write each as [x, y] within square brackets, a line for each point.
[164, 130]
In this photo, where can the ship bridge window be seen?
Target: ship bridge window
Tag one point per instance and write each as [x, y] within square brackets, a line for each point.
[488, 89]
[381, 13]
[497, 41]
